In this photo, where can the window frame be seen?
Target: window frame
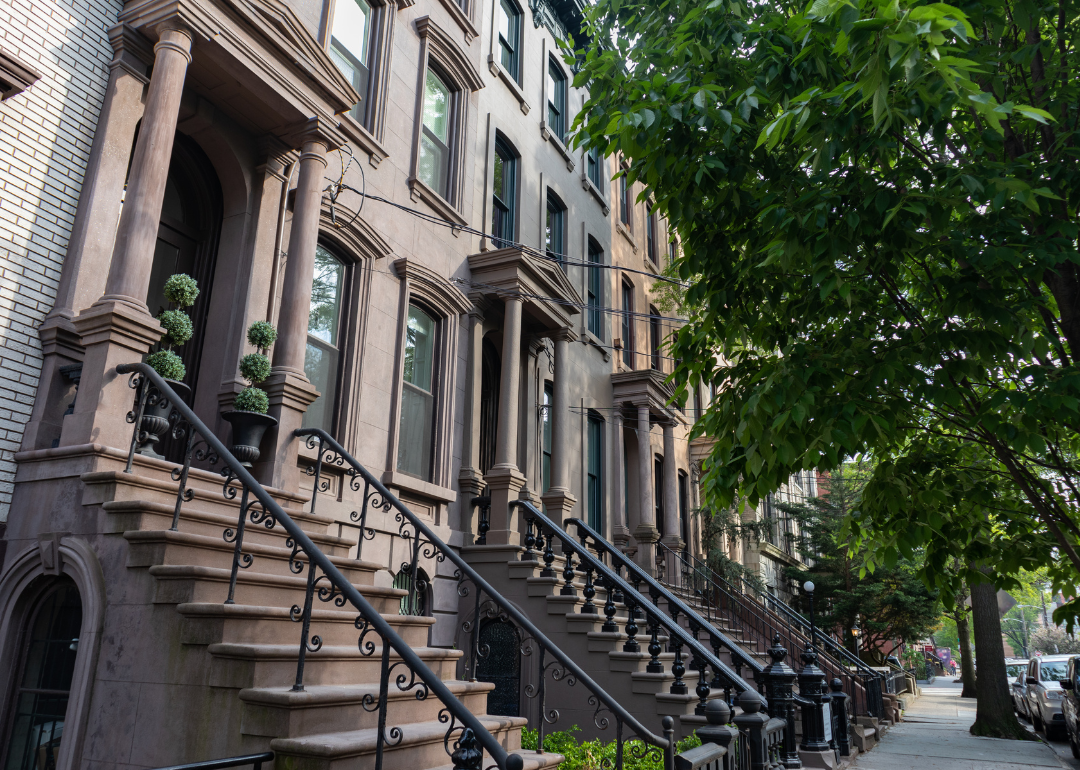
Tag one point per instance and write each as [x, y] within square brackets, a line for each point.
[557, 100]
[594, 167]
[345, 323]
[594, 289]
[594, 482]
[514, 71]
[556, 235]
[436, 374]
[628, 322]
[548, 395]
[507, 221]
[658, 493]
[655, 337]
[650, 233]
[626, 208]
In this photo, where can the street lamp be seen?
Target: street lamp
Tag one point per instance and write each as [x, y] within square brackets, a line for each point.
[808, 587]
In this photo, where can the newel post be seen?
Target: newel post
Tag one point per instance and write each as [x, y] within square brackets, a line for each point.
[839, 705]
[752, 722]
[779, 678]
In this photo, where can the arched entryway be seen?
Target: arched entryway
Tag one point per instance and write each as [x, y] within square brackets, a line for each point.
[37, 705]
[187, 241]
[500, 664]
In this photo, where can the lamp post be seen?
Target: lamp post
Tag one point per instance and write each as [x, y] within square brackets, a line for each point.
[808, 587]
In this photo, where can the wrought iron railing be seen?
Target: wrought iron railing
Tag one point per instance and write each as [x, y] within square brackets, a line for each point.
[488, 604]
[466, 739]
[767, 616]
[255, 760]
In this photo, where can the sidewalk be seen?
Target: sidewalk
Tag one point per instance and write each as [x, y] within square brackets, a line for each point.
[934, 736]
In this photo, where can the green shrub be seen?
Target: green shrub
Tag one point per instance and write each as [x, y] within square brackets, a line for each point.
[251, 400]
[261, 335]
[167, 364]
[177, 326]
[181, 290]
[255, 367]
[595, 754]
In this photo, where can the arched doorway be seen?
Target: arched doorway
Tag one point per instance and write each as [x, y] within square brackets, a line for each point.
[187, 241]
[490, 372]
[501, 665]
[36, 708]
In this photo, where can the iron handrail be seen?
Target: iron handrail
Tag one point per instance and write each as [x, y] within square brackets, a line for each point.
[612, 579]
[473, 730]
[667, 745]
[220, 764]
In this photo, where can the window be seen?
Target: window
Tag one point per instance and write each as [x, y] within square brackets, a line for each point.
[628, 324]
[417, 396]
[658, 492]
[624, 203]
[654, 338]
[322, 360]
[545, 439]
[508, 19]
[434, 165]
[503, 195]
[673, 250]
[596, 453]
[350, 41]
[556, 106]
[594, 167]
[595, 294]
[49, 645]
[697, 402]
[650, 233]
[555, 229]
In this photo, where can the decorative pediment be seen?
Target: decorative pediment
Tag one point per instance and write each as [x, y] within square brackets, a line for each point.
[643, 387]
[353, 232]
[550, 299]
[426, 283]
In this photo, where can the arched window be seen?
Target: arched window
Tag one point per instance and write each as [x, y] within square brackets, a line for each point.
[500, 664]
[47, 652]
[322, 360]
[417, 395]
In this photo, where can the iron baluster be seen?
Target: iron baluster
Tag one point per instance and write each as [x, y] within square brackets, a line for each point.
[237, 545]
[475, 644]
[549, 552]
[654, 666]
[568, 575]
[483, 522]
[384, 696]
[618, 745]
[318, 475]
[143, 384]
[305, 627]
[541, 696]
[678, 687]
[609, 627]
[702, 690]
[361, 517]
[529, 541]
[631, 643]
[182, 494]
[467, 753]
[588, 592]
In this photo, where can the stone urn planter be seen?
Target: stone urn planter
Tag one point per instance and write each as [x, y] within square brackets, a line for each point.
[155, 419]
[248, 429]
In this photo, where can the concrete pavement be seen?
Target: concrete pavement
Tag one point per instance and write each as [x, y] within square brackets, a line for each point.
[934, 736]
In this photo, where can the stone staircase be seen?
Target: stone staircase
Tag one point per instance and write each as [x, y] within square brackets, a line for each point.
[223, 674]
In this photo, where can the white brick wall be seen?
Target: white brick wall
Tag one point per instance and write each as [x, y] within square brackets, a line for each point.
[45, 138]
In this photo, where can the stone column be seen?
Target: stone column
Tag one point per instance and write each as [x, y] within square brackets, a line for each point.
[620, 532]
[82, 279]
[672, 534]
[288, 387]
[646, 533]
[505, 480]
[470, 480]
[558, 501]
[118, 328]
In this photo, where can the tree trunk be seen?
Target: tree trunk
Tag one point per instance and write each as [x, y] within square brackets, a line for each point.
[994, 717]
[967, 662]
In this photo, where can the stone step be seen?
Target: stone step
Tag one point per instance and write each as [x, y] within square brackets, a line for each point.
[281, 712]
[165, 547]
[181, 584]
[243, 666]
[126, 515]
[417, 745]
[205, 623]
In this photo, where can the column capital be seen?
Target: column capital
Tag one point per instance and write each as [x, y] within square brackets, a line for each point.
[321, 129]
[564, 334]
[131, 51]
[174, 35]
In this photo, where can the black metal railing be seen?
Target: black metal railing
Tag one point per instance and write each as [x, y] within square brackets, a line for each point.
[466, 739]
[766, 617]
[552, 664]
[255, 760]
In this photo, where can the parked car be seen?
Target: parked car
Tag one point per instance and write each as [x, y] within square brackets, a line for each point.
[1016, 668]
[1045, 694]
[1070, 706]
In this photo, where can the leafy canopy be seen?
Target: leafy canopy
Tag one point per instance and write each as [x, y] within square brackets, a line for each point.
[877, 205]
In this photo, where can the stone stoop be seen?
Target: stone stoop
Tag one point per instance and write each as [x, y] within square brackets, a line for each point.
[236, 664]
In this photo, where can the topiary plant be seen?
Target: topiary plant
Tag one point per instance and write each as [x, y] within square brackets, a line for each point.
[255, 367]
[167, 364]
[181, 291]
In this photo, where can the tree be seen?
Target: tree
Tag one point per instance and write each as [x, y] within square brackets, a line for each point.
[958, 637]
[889, 604]
[877, 206]
[1025, 617]
[1053, 640]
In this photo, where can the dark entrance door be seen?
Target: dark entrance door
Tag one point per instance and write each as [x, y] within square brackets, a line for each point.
[501, 666]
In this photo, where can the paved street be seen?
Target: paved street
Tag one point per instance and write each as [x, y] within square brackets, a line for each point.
[934, 736]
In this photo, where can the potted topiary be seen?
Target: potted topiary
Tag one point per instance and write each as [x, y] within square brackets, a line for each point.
[181, 291]
[248, 417]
